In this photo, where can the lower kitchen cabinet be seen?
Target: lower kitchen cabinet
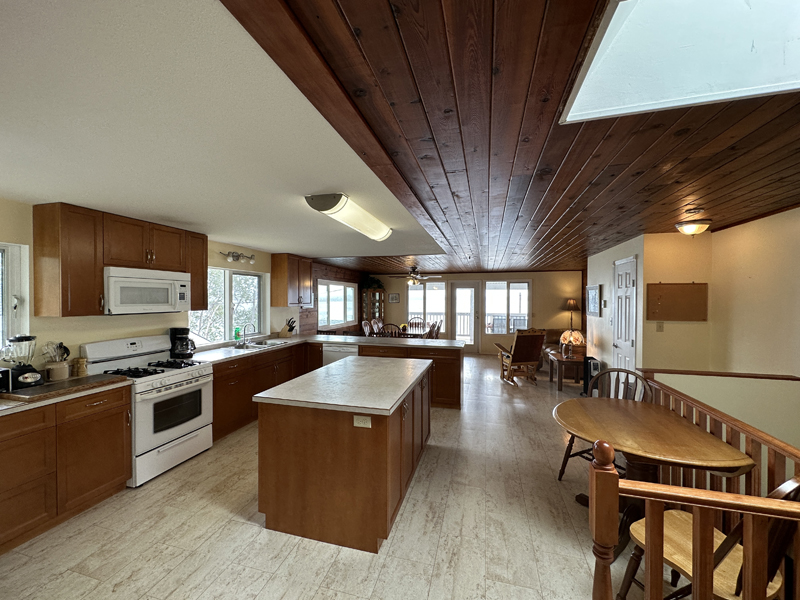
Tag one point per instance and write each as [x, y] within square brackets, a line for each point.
[58, 460]
[313, 357]
[233, 399]
[94, 451]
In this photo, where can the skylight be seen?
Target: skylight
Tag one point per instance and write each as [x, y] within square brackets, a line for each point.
[655, 54]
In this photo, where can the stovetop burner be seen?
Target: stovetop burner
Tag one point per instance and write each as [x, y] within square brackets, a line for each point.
[173, 364]
[135, 372]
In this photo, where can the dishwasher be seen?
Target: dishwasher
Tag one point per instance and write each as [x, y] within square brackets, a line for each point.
[333, 352]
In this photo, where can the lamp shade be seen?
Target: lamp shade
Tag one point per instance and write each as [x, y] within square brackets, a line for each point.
[572, 304]
[572, 336]
[693, 227]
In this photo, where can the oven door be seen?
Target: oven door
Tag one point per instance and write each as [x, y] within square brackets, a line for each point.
[163, 416]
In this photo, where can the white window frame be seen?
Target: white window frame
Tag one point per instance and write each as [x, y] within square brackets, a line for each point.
[15, 286]
[508, 283]
[345, 284]
[424, 285]
[263, 316]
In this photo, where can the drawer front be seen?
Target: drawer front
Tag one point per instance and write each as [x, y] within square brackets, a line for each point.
[433, 352]
[26, 507]
[385, 351]
[28, 457]
[93, 403]
[232, 367]
[27, 421]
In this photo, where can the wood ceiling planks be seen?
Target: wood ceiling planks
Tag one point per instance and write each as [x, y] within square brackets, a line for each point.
[455, 104]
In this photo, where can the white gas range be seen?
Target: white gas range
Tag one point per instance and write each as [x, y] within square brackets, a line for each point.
[172, 401]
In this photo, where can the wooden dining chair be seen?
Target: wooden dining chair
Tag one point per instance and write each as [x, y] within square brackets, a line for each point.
[728, 552]
[367, 328]
[611, 383]
[390, 330]
[416, 325]
[437, 330]
[376, 326]
[523, 355]
[428, 335]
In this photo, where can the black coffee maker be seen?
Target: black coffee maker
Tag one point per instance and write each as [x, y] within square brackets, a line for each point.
[182, 346]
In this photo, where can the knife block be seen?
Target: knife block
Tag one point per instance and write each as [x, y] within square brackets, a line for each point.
[285, 333]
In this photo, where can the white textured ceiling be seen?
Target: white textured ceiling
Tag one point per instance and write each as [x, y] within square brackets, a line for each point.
[167, 110]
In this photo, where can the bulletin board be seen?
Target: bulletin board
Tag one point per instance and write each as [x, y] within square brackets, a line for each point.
[677, 302]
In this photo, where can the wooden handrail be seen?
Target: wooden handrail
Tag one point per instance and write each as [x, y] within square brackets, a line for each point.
[753, 505]
[763, 438]
[649, 372]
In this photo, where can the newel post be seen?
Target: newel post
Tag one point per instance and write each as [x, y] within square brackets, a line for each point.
[603, 516]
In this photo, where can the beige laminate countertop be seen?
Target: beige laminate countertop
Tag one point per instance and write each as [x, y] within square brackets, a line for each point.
[357, 384]
[80, 386]
[229, 353]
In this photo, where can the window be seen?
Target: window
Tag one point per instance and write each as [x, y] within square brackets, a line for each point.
[13, 279]
[337, 304]
[428, 302]
[234, 300]
[507, 306]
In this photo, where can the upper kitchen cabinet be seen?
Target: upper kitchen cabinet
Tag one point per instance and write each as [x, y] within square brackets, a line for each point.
[67, 261]
[139, 244]
[291, 281]
[197, 265]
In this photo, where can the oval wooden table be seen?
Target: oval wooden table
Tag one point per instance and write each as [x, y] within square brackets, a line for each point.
[649, 436]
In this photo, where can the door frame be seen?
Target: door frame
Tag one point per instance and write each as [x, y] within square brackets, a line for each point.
[633, 325]
[477, 286]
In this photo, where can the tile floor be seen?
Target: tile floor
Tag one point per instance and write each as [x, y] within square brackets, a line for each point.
[485, 518]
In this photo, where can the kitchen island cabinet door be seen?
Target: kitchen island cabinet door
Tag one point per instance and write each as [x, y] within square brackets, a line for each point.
[407, 459]
[93, 457]
[417, 421]
[168, 247]
[426, 407]
[126, 242]
[197, 265]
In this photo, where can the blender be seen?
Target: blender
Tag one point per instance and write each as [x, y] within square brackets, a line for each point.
[20, 350]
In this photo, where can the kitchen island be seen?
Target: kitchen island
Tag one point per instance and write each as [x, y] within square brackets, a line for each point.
[337, 448]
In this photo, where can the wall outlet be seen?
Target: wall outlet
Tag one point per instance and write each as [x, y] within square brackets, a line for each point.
[660, 326]
[360, 421]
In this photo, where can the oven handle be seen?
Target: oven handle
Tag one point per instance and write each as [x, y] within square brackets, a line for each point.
[177, 442]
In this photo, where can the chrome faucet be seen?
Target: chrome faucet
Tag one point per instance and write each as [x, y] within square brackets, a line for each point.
[244, 334]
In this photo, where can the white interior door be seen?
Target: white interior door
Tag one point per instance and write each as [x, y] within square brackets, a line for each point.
[465, 313]
[624, 344]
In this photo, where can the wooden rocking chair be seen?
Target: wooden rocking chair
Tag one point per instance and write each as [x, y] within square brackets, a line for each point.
[523, 356]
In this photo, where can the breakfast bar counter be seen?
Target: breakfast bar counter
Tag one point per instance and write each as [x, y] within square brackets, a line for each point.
[338, 448]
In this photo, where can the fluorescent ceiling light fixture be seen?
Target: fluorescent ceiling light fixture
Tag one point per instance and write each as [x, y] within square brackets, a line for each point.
[693, 227]
[653, 55]
[344, 210]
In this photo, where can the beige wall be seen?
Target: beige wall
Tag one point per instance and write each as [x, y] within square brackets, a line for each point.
[16, 226]
[676, 258]
[549, 290]
[755, 304]
[600, 271]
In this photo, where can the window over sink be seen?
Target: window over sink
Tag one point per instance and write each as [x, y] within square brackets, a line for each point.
[235, 299]
[13, 282]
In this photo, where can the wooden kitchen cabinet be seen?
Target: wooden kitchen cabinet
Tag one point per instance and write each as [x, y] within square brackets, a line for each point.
[27, 472]
[197, 265]
[139, 244]
[94, 447]
[291, 281]
[233, 392]
[67, 261]
[313, 357]
[445, 380]
[407, 452]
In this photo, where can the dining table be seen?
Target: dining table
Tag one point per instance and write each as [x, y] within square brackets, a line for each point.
[649, 436]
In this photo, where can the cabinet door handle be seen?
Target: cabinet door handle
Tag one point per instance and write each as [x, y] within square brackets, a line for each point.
[129, 417]
[153, 257]
[102, 303]
[233, 383]
[234, 366]
[97, 403]
[147, 256]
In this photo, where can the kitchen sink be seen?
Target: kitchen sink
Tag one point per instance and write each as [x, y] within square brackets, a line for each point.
[268, 343]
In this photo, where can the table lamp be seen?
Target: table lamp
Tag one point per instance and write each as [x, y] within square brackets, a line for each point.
[571, 337]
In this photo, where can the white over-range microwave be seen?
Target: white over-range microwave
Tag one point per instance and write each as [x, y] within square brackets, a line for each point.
[140, 291]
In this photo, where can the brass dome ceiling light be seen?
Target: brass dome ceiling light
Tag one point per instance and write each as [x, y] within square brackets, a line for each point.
[693, 227]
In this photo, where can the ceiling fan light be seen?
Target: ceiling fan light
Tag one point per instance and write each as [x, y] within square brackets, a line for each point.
[347, 212]
[693, 227]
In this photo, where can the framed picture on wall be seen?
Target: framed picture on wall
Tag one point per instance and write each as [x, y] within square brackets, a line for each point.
[394, 298]
[593, 300]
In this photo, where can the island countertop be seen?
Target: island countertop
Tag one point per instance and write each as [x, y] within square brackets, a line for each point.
[358, 384]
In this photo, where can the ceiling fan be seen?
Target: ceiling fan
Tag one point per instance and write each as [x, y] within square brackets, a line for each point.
[414, 276]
